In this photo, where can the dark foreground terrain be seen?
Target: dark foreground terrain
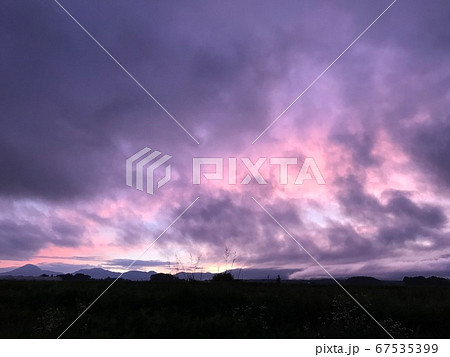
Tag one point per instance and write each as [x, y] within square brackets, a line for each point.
[43, 309]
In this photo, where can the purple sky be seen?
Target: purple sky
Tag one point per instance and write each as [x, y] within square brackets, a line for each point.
[377, 124]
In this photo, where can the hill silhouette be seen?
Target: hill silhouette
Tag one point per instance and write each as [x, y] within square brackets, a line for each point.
[29, 270]
[249, 274]
[363, 281]
[422, 281]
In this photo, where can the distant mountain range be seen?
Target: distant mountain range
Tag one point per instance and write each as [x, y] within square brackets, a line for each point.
[30, 270]
[33, 272]
[99, 273]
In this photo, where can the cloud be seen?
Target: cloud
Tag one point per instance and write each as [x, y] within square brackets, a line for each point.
[429, 147]
[377, 122]
[124, 263]
[21, 240]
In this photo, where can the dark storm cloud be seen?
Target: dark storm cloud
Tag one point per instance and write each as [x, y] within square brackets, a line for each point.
[430, 147]
[425, 215]
[21, 240]
[358, 203]
[218, 222]
[51, 142]
[355, 201]
[70, 114]
[230, 218]
[132, 231]
[66, 234]
[399, 220]
[238, 223]
[346, 245]
[360, 146]
[69, 110]
[398, 84]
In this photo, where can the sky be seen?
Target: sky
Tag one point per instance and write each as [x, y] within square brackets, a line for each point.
[377, 124]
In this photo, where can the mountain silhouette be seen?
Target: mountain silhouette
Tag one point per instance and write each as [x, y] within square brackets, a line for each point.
[99, 273]
[422, 281]
[249, 274]
[363, 281]
[138, 275]
[29, 270]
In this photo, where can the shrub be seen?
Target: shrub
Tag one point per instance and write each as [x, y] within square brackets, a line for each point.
[225, 276]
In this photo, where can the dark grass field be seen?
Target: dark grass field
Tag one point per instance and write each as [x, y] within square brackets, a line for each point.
[43, 309]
